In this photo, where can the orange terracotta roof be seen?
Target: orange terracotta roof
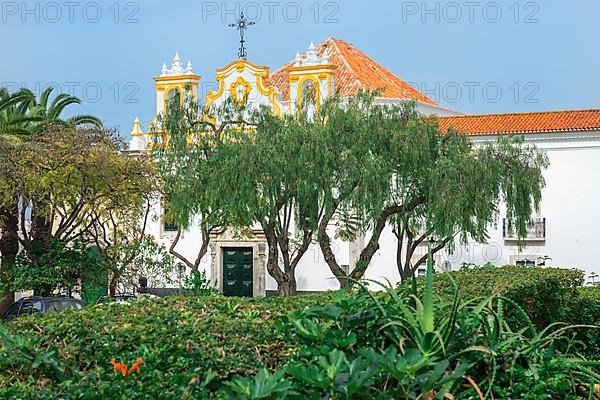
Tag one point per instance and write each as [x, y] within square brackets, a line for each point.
[355, 71]
[531, 122]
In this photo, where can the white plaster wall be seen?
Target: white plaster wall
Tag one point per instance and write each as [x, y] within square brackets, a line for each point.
[570, 204]
[255, 98]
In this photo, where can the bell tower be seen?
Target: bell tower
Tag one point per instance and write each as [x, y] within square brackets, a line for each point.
[173, 82]
[310, 76]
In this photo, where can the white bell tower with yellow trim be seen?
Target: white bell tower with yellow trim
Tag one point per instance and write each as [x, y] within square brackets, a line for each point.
[308, 71]
[173, 82]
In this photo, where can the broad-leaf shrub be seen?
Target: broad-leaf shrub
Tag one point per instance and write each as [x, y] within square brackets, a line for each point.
[353, 345]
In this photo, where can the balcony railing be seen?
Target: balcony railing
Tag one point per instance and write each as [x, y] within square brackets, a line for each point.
[536, 231]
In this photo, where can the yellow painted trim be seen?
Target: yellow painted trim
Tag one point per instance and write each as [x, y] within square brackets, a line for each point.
[268, 91]
[212, 96]
[259, 72]
[317, 82]
[312, 68]
[177, 78]
[168, 90]
[240, 65]
[234, 94]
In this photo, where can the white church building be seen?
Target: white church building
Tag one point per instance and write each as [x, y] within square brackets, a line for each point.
[565, 233]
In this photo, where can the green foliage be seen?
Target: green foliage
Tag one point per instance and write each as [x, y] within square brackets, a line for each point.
[28, 356]
[546, 295]
[263, 386]
[182, 341]
[344, 345]
[197, 284]
[57, 269]
[127, 260]
[94, 278]
[352, 162]
[542, 292]
[471, 338]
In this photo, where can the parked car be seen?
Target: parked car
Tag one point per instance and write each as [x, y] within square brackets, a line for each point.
[35, 304]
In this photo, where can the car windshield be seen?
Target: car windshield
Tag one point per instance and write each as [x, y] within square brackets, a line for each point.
[63, 304]
[12, 312]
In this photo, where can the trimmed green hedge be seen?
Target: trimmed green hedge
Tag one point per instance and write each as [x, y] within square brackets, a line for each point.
[544, 293]
[182, 340]
[547, 295]
[179, 339]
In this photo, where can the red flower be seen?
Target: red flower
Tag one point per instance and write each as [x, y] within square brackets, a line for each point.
[135, 366]
[122, 367]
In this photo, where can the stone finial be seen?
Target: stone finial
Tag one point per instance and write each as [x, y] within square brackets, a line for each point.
[177, 67]
[311, 57]
[137, 129]
[188, 69]
[298, 59]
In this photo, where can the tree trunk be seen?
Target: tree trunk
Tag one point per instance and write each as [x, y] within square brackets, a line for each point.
[193, 266]
[9, 247]
[286, 286]
[399, 261]
[369, 251]
[328, 254]
[41, 220]
[112, 289]
[371, 248]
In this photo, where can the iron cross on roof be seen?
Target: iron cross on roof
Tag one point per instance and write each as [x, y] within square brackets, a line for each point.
[241, 25]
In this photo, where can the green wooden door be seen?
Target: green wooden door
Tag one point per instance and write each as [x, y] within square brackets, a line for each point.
[237, 272]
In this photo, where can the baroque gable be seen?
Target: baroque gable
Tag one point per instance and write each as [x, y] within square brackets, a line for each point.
[246, 84]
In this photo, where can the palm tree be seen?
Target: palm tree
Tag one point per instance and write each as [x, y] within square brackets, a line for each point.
[16, 122]
[49, 112]
[21, 116]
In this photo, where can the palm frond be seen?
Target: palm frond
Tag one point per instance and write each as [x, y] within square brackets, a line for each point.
[85, 120]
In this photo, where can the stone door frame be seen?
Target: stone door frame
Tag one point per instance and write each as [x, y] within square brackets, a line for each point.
[258, 245]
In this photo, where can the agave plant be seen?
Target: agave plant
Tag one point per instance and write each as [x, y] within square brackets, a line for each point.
[476, 333]
[414, 323]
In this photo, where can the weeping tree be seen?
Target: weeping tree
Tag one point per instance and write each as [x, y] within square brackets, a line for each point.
[232, 167]
[264, 178]
[472, 186]
[351, 164]
[186, 138]
[382, 165]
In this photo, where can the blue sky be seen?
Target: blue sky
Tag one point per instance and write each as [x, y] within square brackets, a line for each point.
[477, 57]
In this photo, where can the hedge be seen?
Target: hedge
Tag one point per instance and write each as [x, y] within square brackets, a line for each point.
[184, 339]
[548, 295]
[543, 292]
[178, 338]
